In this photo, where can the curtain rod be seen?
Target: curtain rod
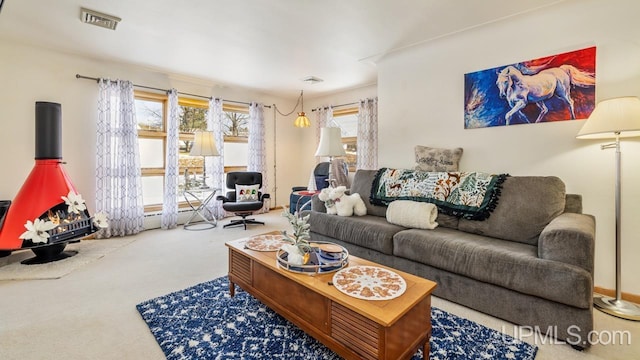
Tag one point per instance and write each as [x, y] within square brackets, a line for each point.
[78, 76]
[335, 106]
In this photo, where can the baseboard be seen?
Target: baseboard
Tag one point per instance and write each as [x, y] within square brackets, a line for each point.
[634, 298]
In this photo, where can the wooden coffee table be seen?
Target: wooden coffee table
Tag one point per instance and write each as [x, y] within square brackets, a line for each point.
[351, 327]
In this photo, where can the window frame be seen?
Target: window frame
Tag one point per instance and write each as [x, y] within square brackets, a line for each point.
[188, 136]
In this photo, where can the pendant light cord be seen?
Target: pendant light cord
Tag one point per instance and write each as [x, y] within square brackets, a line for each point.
[300, 99]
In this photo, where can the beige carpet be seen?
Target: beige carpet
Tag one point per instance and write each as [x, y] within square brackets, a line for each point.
[91, 312]
[88, 251]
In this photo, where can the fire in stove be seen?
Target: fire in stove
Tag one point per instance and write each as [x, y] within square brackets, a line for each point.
[47, 206]
[68, 225]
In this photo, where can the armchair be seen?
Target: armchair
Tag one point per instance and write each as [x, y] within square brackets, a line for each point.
[244, 197]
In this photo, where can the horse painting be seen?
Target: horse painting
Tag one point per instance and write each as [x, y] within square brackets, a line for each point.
[553, 88]
[519, 90]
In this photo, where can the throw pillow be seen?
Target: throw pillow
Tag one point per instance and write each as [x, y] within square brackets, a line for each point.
[412, 214]
[433, 159]
[247, 192]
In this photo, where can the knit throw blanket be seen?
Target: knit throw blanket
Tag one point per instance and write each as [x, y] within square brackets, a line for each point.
[470, 195]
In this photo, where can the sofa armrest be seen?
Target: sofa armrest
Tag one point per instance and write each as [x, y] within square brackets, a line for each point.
[317, 204]
[569, 238]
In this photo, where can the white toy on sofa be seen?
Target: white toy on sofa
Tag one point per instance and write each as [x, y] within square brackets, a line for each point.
[347, 205]
[329, 204]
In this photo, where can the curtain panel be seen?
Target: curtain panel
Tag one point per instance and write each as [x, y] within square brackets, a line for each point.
[215, 164]
[257, 157]
[118, 174]
[170, 198]
[367, 140]
[324, 116]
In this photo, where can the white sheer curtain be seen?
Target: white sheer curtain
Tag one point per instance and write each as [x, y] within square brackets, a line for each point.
[170, 199]
[257, 160]
[324, 115]
[215, 164]
[367, 140]
[118, 175]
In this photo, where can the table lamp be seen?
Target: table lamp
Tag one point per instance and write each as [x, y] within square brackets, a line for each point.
[330, 145]
[204, 145]
[615, 118]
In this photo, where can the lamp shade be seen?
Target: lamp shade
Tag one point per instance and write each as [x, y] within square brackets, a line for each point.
[204, 144]
[613, 117]
[330, 142]
[302, 121]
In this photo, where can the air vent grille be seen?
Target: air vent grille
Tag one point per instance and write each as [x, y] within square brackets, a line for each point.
[99, 19]
[312, 80]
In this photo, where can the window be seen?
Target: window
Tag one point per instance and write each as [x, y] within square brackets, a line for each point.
[235, 127]
[347, 120]
[151, 114]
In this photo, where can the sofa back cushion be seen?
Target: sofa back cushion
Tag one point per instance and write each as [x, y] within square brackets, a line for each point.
[526, 205]
[362, 182]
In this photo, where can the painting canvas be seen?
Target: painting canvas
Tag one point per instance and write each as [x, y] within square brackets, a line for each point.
[553, 88]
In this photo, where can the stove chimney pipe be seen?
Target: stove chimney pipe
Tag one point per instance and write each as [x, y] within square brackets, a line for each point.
[48, 130]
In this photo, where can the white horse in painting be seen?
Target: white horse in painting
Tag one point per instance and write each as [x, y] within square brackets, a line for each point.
[520, 90]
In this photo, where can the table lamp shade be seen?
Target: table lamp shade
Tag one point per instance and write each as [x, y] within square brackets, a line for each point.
[204, 144]
[330, 142]
[617, 116]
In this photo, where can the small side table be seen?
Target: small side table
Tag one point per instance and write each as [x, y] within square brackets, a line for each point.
[301, 200]
[198, 199]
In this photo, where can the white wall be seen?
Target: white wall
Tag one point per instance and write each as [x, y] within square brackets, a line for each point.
[421, 102]
[34, 74]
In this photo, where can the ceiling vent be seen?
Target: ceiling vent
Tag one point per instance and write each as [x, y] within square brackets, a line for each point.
[99, 19]
[312, 80]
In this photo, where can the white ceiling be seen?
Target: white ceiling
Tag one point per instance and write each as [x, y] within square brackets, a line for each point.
[264, 45]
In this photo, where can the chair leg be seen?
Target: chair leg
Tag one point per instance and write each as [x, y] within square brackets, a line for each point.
[244, 221]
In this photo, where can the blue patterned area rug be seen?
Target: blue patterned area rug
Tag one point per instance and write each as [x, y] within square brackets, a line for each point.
[204, 322]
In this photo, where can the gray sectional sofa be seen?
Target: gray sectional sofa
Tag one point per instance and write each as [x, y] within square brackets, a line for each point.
[530, 263]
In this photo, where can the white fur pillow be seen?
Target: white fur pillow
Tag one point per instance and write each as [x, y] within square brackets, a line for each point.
[412, 214]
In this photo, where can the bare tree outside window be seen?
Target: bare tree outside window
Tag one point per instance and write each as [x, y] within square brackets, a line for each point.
[192, 119]
[236, 124]
[149, 115]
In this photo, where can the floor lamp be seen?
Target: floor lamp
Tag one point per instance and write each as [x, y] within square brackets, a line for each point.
[330, 145]
[615, 118]
[204, 144]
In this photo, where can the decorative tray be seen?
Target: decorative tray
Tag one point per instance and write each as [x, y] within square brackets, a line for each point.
[325, 257]
[266, 242]
[369, 283]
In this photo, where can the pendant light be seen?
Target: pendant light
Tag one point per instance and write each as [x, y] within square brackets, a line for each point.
[302, 121]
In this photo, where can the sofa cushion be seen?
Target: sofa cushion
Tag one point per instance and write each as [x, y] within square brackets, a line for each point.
[526, 205]
[368, 231]
[362, 181]
[449, 221]
[508, 264]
